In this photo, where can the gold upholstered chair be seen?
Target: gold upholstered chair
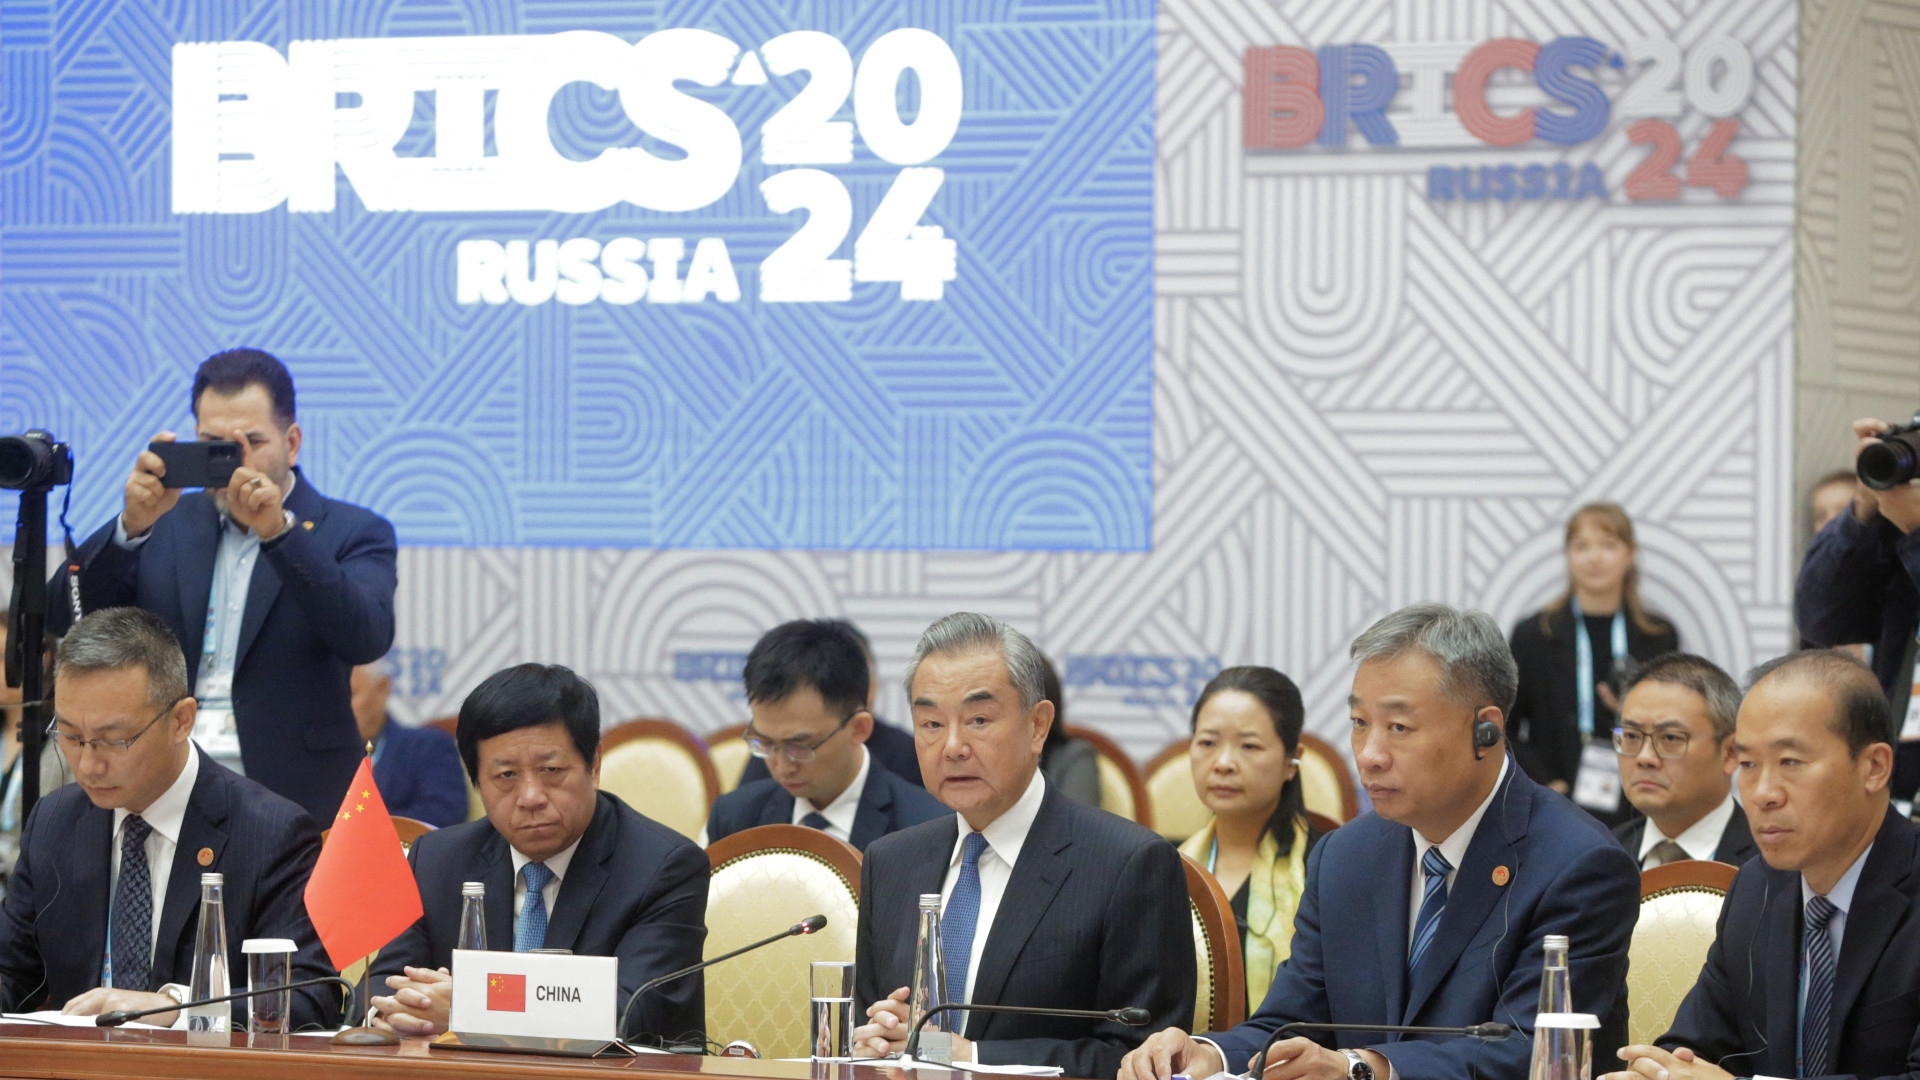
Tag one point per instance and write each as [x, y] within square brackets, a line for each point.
[662, 770]
[1220, 998]
[1177, 810]
[1679, 910]
[764, 880]
[1325, 783]
[727, 749]
[1121, 789]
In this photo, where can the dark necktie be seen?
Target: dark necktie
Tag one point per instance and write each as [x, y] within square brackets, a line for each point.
[1667, 851]
[1816, 1026]
[959, 921]
[1432, 903]
[816, 820]
[132, 945]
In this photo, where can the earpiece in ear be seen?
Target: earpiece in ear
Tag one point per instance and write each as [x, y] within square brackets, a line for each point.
[1486, 736]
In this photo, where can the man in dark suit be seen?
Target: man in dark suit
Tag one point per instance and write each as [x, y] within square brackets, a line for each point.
[275, 590]
[808, 686]
[1675, 745]
[1815, 968]
[1432, 909]
[890, 746]
[566, 865]
[104, 903]
[418, 769]
[1045, 902]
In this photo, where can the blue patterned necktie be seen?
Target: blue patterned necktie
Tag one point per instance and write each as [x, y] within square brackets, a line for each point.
[1816, 1025]
[816, 820]
[530, 929]
[1432, 903]
[958, 922]
[132, 956]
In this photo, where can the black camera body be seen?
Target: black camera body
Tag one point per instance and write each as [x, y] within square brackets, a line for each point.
[34, 461]
[1892, 461]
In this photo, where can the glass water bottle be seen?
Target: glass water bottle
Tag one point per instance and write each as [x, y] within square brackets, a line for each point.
[210, 972]
[473, 916]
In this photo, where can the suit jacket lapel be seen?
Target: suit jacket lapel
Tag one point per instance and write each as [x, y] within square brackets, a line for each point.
[1781, 923]
[1736, 840]
[193, 573]
[1879, 908]
[496, 870]
[93, 883]
[1395, 920]
[1036, 877]
[203, 827]
[307, 506]
[924, 873]
[778, 808]
[1473, 895]
[585, 875]
[876, 799]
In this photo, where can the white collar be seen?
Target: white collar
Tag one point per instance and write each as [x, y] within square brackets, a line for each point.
[1454, 847]
[557, 863]
[847, 803]
[168, 813]
[1007, 833]
[1841, 895]
[1700, 839]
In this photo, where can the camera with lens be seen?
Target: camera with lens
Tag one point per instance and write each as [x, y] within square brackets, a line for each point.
[34, 461]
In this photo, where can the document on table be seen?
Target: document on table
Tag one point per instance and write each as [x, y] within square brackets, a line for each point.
[60, 1019]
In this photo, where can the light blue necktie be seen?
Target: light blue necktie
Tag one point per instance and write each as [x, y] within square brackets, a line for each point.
[1431, 905]
[1817, 1025]
[958, 922]
[530, 929]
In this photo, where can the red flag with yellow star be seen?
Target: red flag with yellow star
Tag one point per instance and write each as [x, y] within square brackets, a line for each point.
[362, 893]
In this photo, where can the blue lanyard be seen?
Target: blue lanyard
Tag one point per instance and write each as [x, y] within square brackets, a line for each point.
[1583, 654]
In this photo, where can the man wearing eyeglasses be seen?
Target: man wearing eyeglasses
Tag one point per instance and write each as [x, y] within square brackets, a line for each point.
[104, 902]
[1675, 743]
[807, 684]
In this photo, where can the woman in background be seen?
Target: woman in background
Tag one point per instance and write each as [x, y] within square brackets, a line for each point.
[1573, 654]
[1246, 738]
[1070, 764]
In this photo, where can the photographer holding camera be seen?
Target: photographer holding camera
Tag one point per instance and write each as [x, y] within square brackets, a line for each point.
[275, 590]
[1858, 581]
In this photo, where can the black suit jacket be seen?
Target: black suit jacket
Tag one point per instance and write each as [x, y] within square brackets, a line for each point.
[1094, 917]
[1743, 1011]
[888, 804]
[635, 889]
[53, 926]
[1736, 840]
[1546, 711]
[319, 602]
[889, 745]
[420, 774]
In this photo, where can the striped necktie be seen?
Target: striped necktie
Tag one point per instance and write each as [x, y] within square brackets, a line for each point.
[1432, 903]
[1816, 1026]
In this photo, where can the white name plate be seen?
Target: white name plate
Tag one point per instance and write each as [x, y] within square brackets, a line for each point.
[537, 994]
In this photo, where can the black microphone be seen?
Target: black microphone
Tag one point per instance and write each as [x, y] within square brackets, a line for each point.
[121, 1016]
[810, 925]
[1489, 1030]
[1132, 1016]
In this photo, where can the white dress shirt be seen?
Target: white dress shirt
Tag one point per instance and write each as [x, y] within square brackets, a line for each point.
[1699, 840]
[558, 864]
[165, 815]
[1454, 848]
[843, 809]
[1005, 837]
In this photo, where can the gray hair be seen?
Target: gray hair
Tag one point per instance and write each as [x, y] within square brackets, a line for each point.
[114, 639]
[1703, 677]
[1476, 668]
[964, 631]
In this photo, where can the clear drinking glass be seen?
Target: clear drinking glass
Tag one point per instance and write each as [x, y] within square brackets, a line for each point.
[831, 1009]
[269, 963]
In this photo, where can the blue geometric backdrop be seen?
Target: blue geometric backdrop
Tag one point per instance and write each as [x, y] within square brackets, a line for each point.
[1014, 412]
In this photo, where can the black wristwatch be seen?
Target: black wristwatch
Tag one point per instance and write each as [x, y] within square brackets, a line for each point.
[1357, 1069]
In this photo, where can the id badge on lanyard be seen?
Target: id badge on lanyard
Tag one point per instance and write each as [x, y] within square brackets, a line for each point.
[1597, 785]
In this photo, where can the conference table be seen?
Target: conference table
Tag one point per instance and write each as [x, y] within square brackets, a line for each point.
[36, 1052]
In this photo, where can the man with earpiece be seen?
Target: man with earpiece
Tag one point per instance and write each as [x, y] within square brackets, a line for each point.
[1432, 909]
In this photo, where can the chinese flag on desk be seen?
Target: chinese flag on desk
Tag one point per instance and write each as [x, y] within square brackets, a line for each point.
[506, 993]
[362, 893]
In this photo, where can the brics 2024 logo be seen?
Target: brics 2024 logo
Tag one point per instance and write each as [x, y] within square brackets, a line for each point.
[245, 119]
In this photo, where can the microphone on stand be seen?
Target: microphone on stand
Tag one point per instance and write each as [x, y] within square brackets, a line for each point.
[121, 1016]
[1489, 1030]
[1132, 1016]
[810, 925]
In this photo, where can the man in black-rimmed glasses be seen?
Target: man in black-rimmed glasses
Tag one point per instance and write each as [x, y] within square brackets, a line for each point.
[1675, 743]
[103, 904]
[807, 685]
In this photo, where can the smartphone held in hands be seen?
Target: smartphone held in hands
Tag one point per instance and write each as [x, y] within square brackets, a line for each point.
[198, 464]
